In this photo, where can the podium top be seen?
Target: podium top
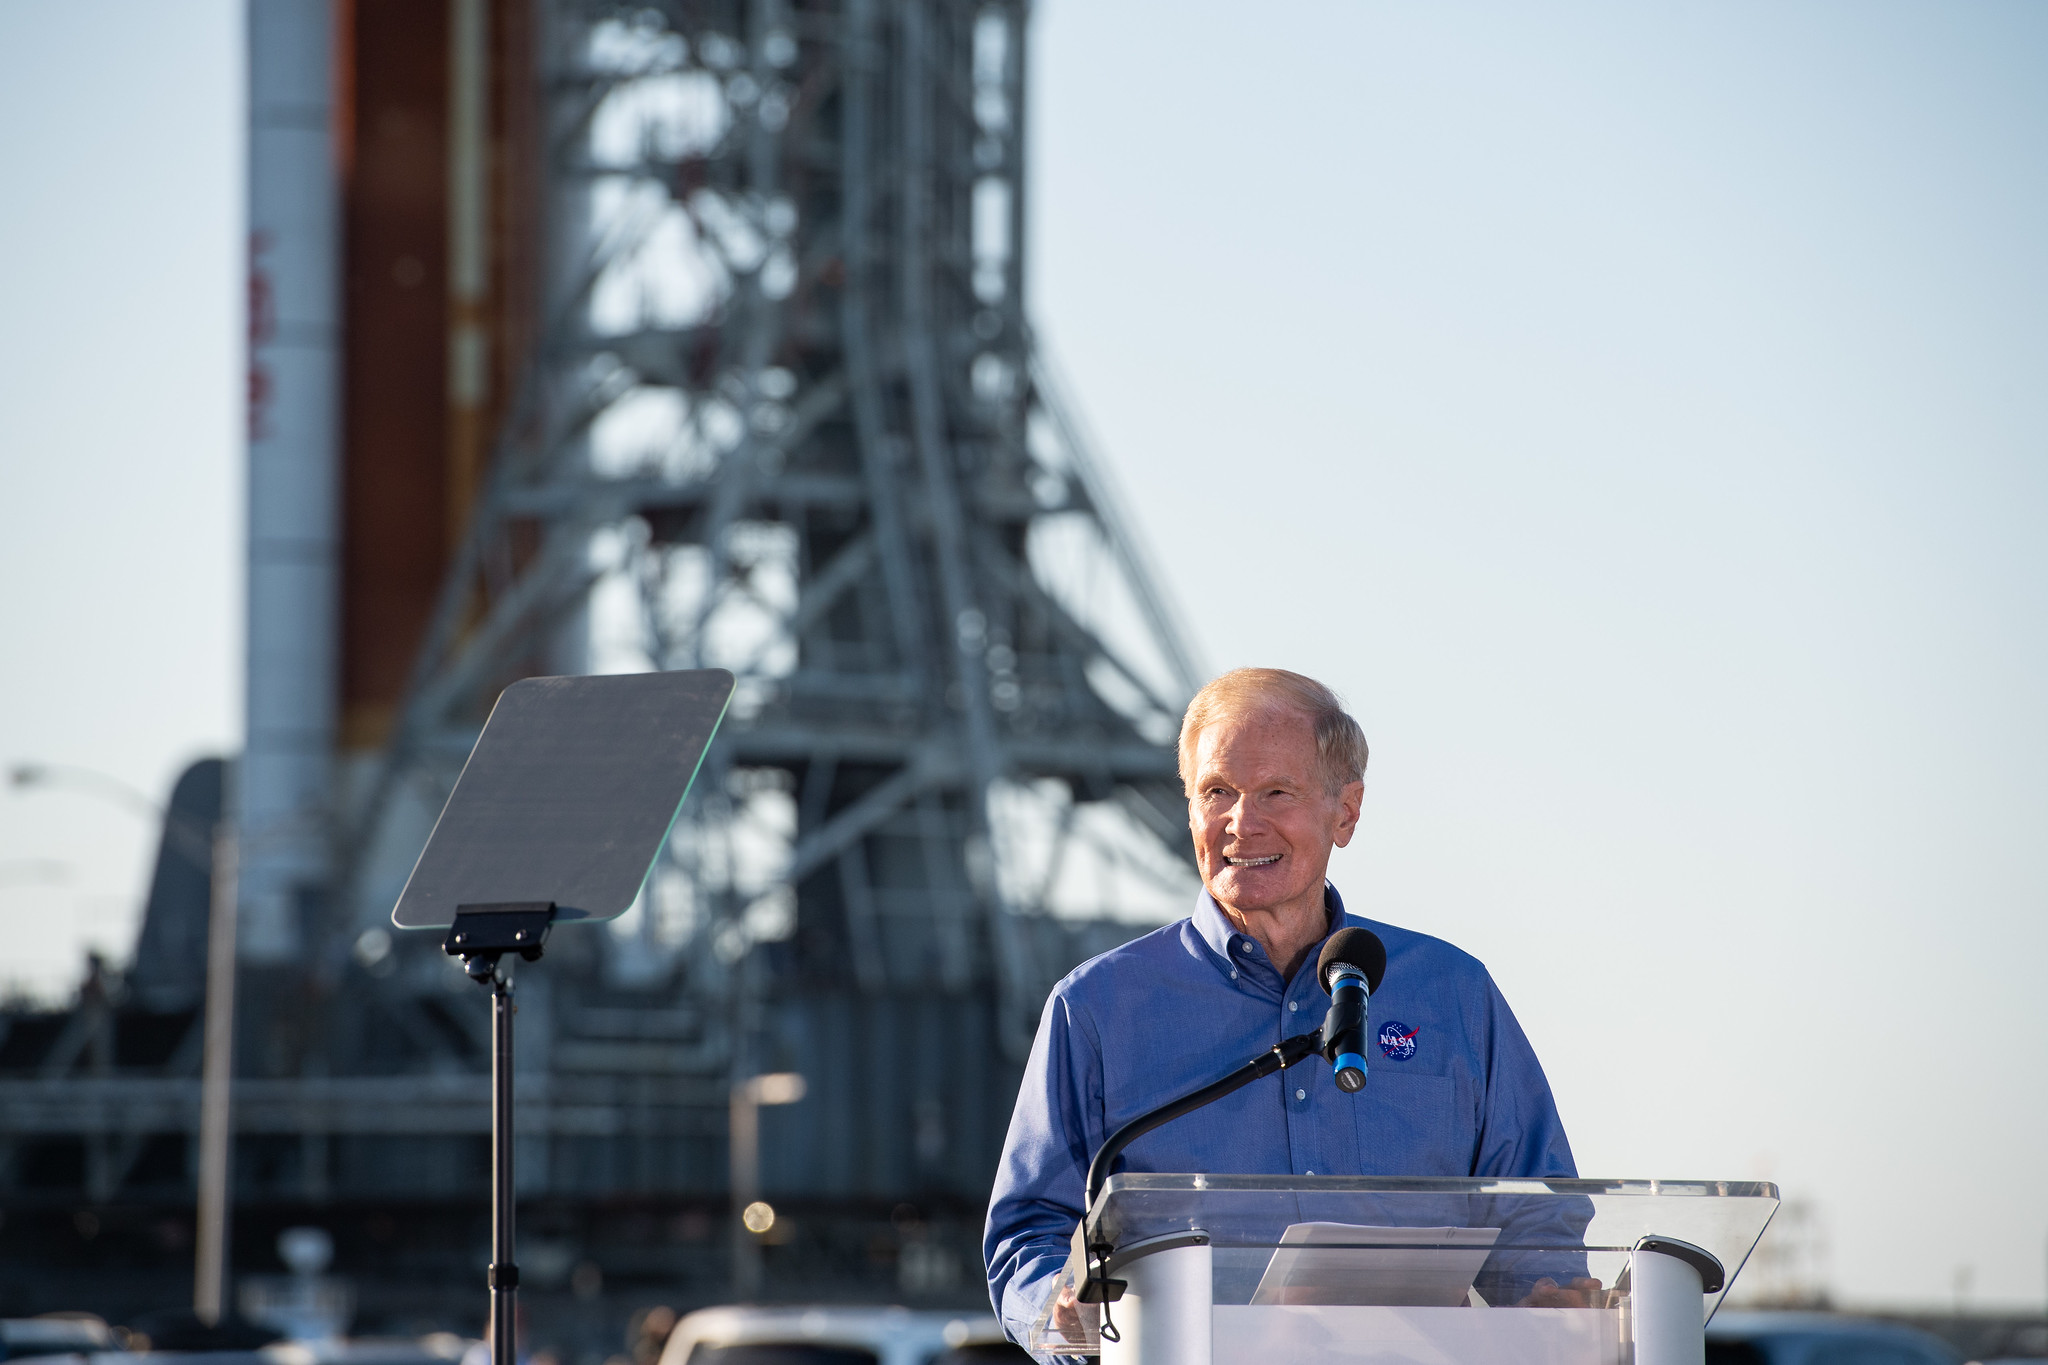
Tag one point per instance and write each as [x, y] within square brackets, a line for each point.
[1722, 1217]
[1559, 1228]
[1404, 1242]
[568, 795]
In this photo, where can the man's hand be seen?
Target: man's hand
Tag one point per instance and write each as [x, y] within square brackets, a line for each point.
[1580, 1293]
[1066, 1314]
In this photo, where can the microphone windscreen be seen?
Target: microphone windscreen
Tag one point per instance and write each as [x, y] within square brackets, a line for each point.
[1360, 948]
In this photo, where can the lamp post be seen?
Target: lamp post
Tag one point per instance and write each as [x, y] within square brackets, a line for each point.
[215, 851]
[216, 1075]
[752, 1216]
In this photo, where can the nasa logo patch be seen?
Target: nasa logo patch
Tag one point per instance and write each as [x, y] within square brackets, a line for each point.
[1397, 1040]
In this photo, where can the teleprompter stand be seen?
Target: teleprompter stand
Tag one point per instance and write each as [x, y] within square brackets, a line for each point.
[481, 935]
[558, 816]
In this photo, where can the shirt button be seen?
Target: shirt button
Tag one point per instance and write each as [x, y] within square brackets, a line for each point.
[1293, 1005]
[1233, 973]
[1302, 1095]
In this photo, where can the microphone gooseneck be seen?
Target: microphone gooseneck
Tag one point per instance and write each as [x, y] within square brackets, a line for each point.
[1351, 966]
[1098, 1287]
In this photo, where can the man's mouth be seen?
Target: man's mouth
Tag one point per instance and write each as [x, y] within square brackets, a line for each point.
[1251, 862]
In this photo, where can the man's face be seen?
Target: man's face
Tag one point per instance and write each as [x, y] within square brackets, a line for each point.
[1263, 818]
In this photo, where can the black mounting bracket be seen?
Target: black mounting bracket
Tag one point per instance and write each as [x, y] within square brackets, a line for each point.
[482, 934]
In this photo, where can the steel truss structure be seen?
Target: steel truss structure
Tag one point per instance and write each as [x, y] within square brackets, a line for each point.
[787, 417]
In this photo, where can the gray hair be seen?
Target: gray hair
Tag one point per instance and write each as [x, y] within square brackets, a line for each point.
[1340, 743]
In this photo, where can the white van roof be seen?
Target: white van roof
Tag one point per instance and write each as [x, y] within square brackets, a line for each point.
[899, 1336]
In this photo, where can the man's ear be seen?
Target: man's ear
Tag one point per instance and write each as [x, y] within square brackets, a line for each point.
[1348, 802]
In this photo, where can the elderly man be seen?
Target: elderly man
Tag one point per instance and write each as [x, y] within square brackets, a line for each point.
[1274, 771]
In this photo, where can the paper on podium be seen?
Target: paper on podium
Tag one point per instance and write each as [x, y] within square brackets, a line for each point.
[1345, 1263]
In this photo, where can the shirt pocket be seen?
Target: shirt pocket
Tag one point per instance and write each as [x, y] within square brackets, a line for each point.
[1410, 1123]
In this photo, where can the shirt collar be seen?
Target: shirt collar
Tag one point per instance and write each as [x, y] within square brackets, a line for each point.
[1217, 930]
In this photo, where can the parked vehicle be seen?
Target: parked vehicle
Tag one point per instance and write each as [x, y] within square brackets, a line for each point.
[55, 1334]
[1759, 1338]
[836, 1336]
[436, 1348]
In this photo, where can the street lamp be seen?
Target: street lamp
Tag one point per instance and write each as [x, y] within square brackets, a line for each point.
[753, 1215]
[64, 775]
[190, 839]
[213, 850]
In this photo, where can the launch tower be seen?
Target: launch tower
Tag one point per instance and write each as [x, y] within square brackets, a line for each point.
[670, 335]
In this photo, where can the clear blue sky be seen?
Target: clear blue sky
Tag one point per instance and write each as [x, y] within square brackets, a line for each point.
[1637, 411]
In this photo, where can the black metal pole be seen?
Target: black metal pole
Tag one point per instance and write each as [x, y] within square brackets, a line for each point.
[481, 936]
[504, 1274]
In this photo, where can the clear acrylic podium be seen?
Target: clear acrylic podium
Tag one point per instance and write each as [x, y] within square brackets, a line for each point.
[1299, 1270]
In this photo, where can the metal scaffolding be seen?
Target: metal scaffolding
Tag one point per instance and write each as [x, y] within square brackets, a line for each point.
[786, 416]
[783, 414]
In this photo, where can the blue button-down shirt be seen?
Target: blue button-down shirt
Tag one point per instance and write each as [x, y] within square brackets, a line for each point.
[1453, 1088]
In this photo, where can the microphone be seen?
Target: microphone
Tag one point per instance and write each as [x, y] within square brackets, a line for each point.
[1350, 969]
